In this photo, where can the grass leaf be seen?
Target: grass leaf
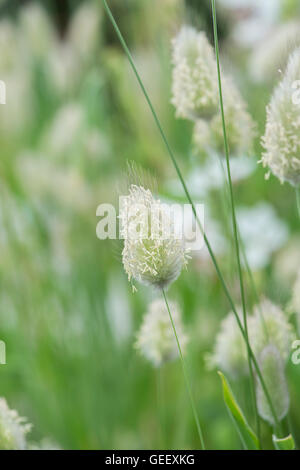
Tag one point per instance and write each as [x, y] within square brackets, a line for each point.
[248, 437]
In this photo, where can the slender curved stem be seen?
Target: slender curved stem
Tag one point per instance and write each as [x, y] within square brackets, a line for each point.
[209, 248]
[225, 199]
[234, 221]
[186, 377]
[298, 199]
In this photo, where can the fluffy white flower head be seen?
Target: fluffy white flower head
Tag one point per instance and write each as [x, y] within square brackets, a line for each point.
[282, 135]
[239, 125]
[36, 29]
[153, 253]
[156, 340]
[272, 55]
[272, 369]
[267, 326]
[194, 87]
[230, 353]
[13, 428]
[270, 325]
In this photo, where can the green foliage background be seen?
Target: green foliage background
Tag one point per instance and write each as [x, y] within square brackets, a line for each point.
[67, 313]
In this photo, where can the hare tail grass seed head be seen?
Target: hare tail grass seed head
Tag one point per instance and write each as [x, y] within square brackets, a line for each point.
[153, 254]
[230, 353]
[270, 324]
[155, 339]
[267, 325]
[194, 84]
[272, 367]
[13, 428]
[195, 95]
[281, 141]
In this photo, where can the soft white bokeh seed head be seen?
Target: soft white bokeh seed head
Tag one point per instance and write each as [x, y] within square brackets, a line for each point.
[240, 127]
[84, 29]
[36, 30]
[270, 57]
[13, 428]
[281, 140]
[194, 86]
[270, 325]
[230, 353]
[154, 256]
[156, 340]
[272, 369]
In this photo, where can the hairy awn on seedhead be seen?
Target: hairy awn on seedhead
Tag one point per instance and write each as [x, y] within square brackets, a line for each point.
[281, 140]
[153, 254]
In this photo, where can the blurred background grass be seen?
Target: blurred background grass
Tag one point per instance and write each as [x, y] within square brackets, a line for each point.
[74, 116]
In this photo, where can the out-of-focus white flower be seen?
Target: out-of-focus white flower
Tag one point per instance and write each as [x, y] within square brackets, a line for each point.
[8, 311]
[259, 17]
[15, 224]
[118, 310]
[96, 145]
[63, 67]
[9, 46]
[35, 29]
[13, 428]
[156, 340]
[65, 129]
[272, 368]
[84, 30]
[17, 113]
[153, 254]
[195, 86]
[16, 74]
[282, 135]
[270, 57]
[240, 128]
[45, 444]
[262, 233]
[58, 235]
[230, 353]
[43, 179]
[270, 325]
[287, 261]
[211, 175]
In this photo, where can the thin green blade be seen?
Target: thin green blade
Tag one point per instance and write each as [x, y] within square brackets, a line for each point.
[248, 437]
